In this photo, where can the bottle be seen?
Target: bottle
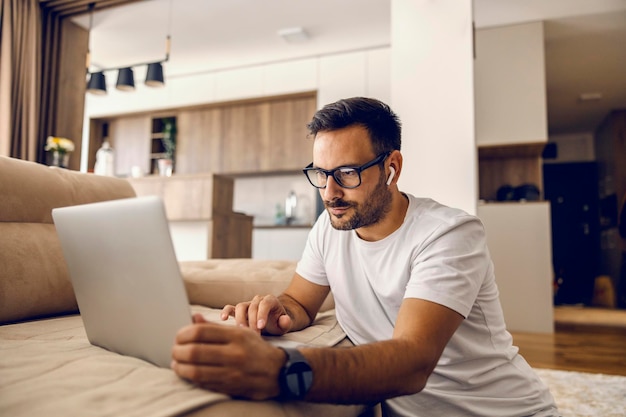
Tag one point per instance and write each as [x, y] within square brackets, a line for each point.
[105, 160]
[290, 207]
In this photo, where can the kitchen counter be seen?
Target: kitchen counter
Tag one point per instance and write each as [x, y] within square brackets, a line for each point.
[282, 226]
[199, 209]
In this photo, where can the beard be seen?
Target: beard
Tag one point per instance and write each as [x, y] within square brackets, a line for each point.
[376, 206]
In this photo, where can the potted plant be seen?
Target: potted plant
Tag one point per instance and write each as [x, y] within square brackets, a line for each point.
[60, 149]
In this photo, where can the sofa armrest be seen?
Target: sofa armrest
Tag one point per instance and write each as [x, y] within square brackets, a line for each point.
[34, 281]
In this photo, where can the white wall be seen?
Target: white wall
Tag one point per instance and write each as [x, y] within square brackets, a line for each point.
[510, 85]
[432, 89]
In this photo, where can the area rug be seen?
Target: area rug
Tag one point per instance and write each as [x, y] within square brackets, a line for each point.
[581, 394]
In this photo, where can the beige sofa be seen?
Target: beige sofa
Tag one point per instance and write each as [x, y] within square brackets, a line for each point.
[47, 365]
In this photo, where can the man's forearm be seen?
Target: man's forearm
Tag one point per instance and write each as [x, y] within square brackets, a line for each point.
[368, 373]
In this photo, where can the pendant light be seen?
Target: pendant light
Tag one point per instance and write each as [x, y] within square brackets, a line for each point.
[97, 83]
[125, 79]
[154, 75]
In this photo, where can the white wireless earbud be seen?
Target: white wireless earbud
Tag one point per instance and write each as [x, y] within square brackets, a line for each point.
[393, 172]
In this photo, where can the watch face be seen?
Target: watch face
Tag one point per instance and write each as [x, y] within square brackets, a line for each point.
[298, 378]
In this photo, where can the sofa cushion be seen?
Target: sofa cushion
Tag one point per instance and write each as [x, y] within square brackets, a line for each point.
[217, 282]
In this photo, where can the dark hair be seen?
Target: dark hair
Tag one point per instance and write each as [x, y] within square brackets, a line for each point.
[382, 124]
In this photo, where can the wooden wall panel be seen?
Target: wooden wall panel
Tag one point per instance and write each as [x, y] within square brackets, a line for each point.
[241, 128]
[199, 141]
[289, 142]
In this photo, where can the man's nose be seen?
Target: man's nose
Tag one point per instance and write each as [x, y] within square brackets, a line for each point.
[332, 190]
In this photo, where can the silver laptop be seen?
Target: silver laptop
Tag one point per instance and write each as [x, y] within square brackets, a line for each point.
[125, 275]
[126, 278]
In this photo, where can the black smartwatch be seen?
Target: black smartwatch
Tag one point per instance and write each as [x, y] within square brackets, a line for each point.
[296, 376]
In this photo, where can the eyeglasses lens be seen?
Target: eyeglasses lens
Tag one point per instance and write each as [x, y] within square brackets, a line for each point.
[345, 177]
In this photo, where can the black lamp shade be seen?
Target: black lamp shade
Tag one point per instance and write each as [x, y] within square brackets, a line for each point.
[154, 77]
[125, 80]
[97, 83]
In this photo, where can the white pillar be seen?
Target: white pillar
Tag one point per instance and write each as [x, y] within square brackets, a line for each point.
[432, 91]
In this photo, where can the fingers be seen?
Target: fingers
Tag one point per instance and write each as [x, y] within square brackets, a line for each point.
[243, 313]
[227, 359]
[198, 332]
[256, 314]
[228, 380]
[259, 310]
[227, 311]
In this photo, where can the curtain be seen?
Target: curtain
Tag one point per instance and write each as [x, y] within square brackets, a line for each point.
[29, 50]
[50, 53]
[20, 69]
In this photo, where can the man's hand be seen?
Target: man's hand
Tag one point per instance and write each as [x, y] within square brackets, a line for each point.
[263, 314]
[233, 360]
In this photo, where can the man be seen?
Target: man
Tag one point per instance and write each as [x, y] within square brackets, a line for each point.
[414, 290]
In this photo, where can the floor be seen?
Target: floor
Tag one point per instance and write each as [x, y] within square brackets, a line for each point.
[585, 340]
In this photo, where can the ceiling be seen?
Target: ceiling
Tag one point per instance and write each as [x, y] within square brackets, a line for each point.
[584, 40]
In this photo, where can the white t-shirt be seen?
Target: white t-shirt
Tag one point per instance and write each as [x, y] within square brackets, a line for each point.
[438, 254]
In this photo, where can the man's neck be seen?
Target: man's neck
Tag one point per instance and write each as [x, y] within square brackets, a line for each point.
[390, 223]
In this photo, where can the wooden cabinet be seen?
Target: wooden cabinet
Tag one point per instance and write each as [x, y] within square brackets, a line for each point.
[512, 165]
[158, 148]
[189, 197]
[129, 137]
[253, 136]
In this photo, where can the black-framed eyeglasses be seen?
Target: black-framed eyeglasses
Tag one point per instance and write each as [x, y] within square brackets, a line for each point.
[346, 177]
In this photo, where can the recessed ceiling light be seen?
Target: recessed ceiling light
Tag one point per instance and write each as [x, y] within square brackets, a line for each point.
[296, 34]
[590, 96]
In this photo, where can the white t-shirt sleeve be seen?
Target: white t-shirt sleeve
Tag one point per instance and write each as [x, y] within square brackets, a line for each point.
[450, 267]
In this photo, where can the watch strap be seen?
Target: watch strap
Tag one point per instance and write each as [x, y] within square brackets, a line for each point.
[296, 376]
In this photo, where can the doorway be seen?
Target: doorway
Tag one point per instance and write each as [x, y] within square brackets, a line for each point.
[572, 189]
